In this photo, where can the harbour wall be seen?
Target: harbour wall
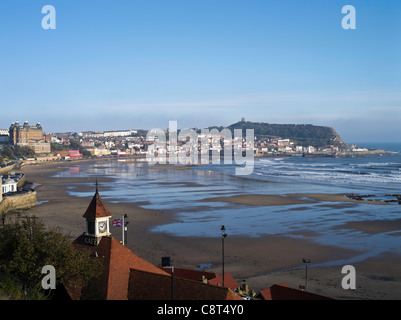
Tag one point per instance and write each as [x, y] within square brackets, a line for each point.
[18, 202]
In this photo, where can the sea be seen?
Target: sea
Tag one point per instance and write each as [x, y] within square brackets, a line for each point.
[186, 194]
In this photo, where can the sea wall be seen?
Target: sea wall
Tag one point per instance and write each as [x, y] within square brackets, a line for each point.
[18, 202]
[360, 153]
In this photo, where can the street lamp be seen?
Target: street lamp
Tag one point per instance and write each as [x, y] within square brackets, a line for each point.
[306, 261]
[223, 235]
[124, 231]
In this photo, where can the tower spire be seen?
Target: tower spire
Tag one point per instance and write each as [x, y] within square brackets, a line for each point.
[97, 186]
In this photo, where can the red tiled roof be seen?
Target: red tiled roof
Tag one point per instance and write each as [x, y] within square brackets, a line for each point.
[117, 262]
[196, 275]
[151, 286]
[229, 281]
[97, 208]
[265, 294]
[190, 274]
[282, 292]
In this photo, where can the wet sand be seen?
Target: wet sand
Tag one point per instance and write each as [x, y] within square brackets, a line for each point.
[299, 198]
[260, 262]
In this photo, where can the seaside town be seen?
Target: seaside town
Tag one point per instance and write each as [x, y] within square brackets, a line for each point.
[24, 145]
[41, 146]
[196, 159]
[29, 144]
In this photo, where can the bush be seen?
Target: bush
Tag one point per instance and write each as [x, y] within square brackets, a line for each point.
[13, 289]
[26, 247]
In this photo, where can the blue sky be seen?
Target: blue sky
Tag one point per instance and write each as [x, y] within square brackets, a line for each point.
[128, 64]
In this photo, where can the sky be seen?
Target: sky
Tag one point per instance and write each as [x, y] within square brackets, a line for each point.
[134, 64]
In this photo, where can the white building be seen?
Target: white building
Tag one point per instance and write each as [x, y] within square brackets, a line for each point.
[9, 185]
[283, 142]
[311, 149]
[121, 133]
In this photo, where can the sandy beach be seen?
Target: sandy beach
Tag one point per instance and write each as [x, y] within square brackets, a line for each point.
[258, 261]
[273, 200]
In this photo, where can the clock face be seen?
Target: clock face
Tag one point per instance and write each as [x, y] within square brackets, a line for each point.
[102, 227]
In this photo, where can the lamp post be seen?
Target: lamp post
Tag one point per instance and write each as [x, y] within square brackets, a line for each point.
[223, 235]
[306, 261]
[124, 231]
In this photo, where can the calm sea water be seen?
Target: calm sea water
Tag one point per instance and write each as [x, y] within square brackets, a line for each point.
[185, 194]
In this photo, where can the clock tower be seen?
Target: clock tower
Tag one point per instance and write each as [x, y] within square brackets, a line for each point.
[97, 220]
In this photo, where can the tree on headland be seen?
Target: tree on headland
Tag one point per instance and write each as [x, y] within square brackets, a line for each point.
[26, 246]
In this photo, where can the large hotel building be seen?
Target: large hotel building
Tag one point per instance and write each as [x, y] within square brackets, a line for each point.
[31, 136]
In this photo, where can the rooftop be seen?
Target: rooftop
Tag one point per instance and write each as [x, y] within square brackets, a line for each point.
[96, 208]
